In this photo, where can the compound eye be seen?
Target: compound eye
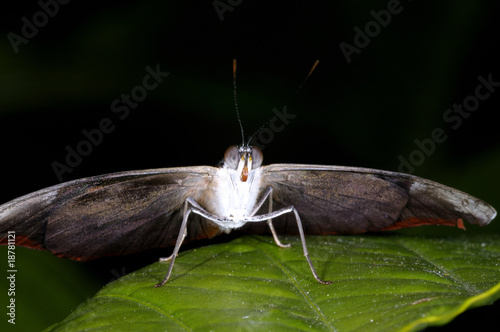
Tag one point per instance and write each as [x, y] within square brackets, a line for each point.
[257, 157]
[232, 157]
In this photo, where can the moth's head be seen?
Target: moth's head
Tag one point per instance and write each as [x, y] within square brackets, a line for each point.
[244, 159]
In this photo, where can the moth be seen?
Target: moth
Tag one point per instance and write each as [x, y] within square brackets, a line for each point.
[120, 213]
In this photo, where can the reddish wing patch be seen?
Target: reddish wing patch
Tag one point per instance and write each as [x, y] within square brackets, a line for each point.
[413, 222]
[23, 241]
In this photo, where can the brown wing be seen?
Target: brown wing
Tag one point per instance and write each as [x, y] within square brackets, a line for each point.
[335, 199]
[110, 214]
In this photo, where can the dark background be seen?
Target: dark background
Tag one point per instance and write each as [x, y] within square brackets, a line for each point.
[364, 113]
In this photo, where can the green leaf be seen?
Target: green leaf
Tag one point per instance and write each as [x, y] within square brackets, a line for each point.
[389, 282]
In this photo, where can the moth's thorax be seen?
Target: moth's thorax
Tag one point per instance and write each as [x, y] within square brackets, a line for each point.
[234, 198]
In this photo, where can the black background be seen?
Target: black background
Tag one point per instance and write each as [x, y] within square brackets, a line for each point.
[364, 113]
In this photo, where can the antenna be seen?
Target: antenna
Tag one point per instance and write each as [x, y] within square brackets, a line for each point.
[296, 92]
[303, 82]
[236, 104]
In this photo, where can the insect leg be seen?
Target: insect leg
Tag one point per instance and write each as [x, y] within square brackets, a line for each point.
[268, 195]
[166, 259]
[190, 205]
[180, 238]
[304, 247]
[261, 201]
[271, 227]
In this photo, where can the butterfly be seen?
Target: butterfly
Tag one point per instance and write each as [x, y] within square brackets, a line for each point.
[132, 211]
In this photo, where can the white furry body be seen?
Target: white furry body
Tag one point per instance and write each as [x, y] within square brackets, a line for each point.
[234, 199]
